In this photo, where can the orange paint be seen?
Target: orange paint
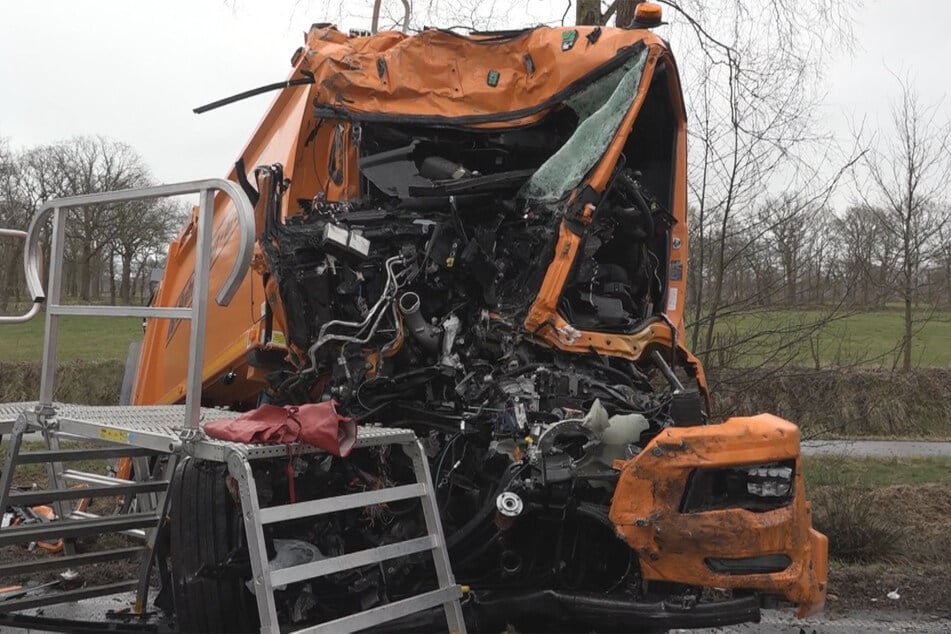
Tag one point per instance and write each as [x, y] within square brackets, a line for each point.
[673, 545]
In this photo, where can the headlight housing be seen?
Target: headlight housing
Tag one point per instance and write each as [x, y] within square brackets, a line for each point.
[769, 481]
[756, 487]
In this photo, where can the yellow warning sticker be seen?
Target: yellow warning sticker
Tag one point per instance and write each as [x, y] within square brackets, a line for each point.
[115, 435]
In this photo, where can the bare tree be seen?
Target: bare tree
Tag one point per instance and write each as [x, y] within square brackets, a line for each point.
[144, 229]
[10, 218]
[823, 275]
[749, 139]
[788, 219]
[869, 258]
[907, 174]
[944, 242]
[84, 165]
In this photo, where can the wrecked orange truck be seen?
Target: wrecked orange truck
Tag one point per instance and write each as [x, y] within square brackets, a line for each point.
[483, 238]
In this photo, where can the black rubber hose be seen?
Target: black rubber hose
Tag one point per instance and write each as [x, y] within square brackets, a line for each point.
[485, 512]
[595, 512]
[535, 610]
[253, 92]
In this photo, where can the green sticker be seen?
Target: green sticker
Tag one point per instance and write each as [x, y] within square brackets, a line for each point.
[568, 39]
[493, 78]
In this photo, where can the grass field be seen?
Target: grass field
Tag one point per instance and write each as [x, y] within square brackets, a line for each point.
[869, 339]
[874, 472]
[80, 338]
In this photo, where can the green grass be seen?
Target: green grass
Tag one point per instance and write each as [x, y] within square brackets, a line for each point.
[874, 472]
[28, 474]
[80, 338]
[864, 338]
[869, 338]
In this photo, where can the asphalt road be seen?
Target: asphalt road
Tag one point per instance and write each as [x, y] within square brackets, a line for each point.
[877, 448]
[863, 621]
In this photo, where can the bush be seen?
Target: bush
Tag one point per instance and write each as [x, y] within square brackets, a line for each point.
[844, 402]
[86, 382]
[859, 530]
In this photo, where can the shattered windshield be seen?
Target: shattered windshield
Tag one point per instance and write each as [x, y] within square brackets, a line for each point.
[600, 108]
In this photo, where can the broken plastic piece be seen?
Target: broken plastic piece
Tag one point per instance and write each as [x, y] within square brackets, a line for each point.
[349, 240]
[568, 39]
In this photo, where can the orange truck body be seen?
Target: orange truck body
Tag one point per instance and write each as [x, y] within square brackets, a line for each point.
[441, 76]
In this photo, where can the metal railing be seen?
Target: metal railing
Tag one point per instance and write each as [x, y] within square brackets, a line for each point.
[35, 309]
[198, 311]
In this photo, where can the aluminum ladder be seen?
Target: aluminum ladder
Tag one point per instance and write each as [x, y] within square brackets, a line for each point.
[150, 491]
[137, 516]
[239, 459]
[173, 431]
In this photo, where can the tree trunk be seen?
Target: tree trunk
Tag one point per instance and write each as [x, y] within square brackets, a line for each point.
[866, 294]
[112, 277]
[588, 12]
[125, 288]
[906, 353]
[85, 273]
[947, 280]
[11, 277]
[791, 291]
[625, 12]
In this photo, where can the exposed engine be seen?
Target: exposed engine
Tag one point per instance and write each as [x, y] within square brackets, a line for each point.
[407, 305]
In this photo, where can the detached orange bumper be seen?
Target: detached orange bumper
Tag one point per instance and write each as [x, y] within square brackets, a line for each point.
[686, 511]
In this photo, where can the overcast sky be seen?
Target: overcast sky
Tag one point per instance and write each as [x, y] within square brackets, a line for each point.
[133, 71]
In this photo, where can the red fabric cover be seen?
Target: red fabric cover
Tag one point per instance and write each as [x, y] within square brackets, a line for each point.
[316, 424]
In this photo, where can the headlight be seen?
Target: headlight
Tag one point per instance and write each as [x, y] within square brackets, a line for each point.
[769, 481]
[758, 487]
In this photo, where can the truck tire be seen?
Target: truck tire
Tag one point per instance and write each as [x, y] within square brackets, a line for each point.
[205, 526]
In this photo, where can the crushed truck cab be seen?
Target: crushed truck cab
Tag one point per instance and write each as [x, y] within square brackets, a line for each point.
[483, 238]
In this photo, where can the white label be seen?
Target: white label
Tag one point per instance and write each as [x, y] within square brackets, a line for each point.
[672, 298]
[359, 244]
[336, 234]
[7, 518]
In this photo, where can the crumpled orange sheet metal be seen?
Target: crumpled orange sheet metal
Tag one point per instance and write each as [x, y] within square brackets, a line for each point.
[442, 74]
[673, 546]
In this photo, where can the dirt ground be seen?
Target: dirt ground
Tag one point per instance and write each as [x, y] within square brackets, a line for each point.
[924, 588]
[94, 574]
[29, 476]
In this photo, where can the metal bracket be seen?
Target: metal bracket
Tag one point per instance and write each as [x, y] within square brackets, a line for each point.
[191, 434]
[21, 424]
[44, 416]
